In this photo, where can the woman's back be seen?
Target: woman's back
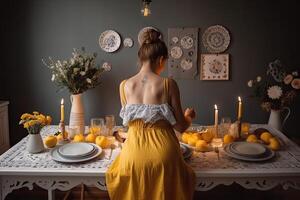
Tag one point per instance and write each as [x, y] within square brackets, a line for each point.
[145, 89]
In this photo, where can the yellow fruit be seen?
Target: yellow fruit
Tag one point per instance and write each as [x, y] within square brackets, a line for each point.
[197, 136]
[90, 138]
[245, 127]
[185, 137]
[265, 137]
[252, 138]
[228, 139]
[201, 145]
[192, 141]
[50, 141]
[274, 144]
[78, 138]
[102, 142]
[59, 137]
[207, 136]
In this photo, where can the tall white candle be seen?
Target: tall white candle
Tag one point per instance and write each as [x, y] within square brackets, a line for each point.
[240, 108]
[62, 111]
[216, 115]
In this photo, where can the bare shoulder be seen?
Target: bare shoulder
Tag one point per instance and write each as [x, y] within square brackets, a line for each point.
[173, 85]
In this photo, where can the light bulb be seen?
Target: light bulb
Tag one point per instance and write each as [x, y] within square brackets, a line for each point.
[146, 9]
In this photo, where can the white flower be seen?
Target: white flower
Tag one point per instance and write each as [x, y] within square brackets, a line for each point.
[72, 61]
[53, 77]
[82, 73]
[89, 80]
[250, 83]
[258, 79]
[274, 92]
[295, 73]
[75, 70]
[106, 66]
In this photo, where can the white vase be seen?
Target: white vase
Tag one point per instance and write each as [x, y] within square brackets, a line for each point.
[275, 118]
[35, 143]
[77, 112]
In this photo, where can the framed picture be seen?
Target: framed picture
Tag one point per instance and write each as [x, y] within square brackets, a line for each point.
[214, 67]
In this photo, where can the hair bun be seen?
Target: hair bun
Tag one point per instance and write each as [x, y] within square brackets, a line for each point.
[151, 36]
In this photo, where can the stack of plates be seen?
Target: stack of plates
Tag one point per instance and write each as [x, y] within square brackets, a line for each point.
[186, 150]
[248, 151]
[75, 152]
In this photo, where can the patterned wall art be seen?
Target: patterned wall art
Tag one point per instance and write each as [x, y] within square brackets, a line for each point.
[214, 67]
[110, 41]
[216, 39]
[183, 51]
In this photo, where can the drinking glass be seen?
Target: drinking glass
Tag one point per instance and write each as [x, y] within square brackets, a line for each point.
[72, 131]
[110, 124]
[97, 125]
[224, 126]
[245, 128]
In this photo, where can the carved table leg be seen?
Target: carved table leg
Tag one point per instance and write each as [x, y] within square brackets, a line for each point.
[51, 194]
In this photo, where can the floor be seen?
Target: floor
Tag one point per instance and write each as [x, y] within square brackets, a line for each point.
[221, 192]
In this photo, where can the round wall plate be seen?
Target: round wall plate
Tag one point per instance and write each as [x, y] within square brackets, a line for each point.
[110, 41]
[216, 39]
[128, 42]
[176, 52]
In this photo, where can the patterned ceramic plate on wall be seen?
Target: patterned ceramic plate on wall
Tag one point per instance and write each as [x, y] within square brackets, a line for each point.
[128, 42]
[176, 52]
[216, 39]
[109, 41]
[143, 31]
[187, 42]
[186, 64]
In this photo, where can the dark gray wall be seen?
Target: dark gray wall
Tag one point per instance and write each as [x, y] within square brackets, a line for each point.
[34, 29]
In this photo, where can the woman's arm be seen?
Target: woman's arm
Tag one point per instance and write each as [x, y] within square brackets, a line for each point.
[183, 121]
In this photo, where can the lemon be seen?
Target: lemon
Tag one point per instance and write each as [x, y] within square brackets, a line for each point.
[90, 138]
[78, 138]
[252, 138]
[228, 139]
[102, 142]
[274, 144]
[265, 137]
[197, 136]
[185, 137]
[192, 141]
[50, 141]
[201, 145]
[207, 136]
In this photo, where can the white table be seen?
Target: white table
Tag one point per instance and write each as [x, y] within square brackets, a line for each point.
[20, 169]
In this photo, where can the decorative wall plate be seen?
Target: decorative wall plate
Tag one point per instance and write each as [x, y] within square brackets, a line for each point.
[176, 52]
[142, 31]
[214, 67]
[107, 66]
[109, 41]
[216, 39]
[186, 64]
[175, 40]
[128, 42]
[187, 42]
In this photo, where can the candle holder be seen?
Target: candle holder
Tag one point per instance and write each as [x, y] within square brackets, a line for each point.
[62, 129]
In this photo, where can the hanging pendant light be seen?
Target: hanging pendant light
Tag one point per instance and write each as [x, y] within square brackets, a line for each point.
[146, 8]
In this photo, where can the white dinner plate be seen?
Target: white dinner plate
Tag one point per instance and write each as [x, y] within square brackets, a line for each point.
[247, 149]
[268, 155]
[57, 157]
[74, 150]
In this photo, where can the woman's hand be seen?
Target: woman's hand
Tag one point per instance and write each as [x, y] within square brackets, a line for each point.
[189, 113]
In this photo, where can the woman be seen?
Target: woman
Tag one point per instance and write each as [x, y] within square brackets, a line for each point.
[150, 165]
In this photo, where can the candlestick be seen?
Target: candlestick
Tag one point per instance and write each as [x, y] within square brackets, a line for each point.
[216, 119]
[62, 110]
[239, 109]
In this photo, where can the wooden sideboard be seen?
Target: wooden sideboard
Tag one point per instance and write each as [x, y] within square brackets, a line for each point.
[4, 131]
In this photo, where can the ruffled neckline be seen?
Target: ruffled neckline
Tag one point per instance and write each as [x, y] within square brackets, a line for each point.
[149, 113]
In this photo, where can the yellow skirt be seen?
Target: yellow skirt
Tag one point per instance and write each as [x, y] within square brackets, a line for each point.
[150, 166]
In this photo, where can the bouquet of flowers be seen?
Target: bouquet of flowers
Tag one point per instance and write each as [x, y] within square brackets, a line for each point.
[34, 122]
[77, 74]
[278, 89]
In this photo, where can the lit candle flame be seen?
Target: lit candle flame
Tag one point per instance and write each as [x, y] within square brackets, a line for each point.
[216, 107]
[240, 99]
[62, 101]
